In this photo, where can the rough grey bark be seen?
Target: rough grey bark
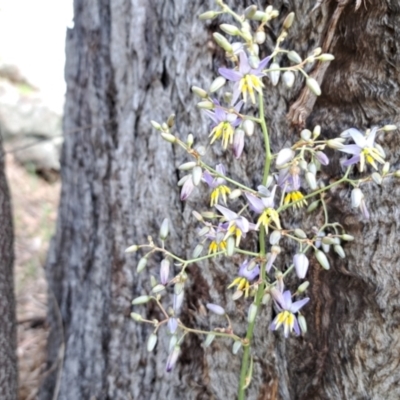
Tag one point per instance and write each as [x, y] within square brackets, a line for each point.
[8, 333]
[130, 62]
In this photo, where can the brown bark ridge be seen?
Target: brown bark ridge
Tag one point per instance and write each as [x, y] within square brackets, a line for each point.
[8, 332]
[130, 62]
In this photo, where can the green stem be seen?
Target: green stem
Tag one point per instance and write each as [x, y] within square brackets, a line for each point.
[260, 291]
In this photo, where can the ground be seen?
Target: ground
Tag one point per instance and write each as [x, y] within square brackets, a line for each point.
[35, 203]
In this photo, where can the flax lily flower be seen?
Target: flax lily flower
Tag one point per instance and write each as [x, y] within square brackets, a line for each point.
[245, 276]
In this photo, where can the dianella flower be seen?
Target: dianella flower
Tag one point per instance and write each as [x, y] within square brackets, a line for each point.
[265, 207]
[246, 276]
[247, 79]
[218, 185]
[225, 123]
[364, 149]
[236, 225]
[289, 181]
[216, 236]
[287, 310]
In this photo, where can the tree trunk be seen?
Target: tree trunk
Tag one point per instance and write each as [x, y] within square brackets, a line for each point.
[8, 333]
[132, 62]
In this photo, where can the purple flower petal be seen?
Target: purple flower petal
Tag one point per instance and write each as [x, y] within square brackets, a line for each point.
[298, 304]
[287, 296]
[296, 327]
[245, 273]
[255, 203]
[369, 142]
[172, 325]
[187, 188]
[358, 138]
[215, 309]
[230, 74]
[278, 297]
[353, 160]
[209, 179]
[244, 66]
[238, 143]
[220, 169]
[242, 224]
[351, 149]
[301, 262]
[228, 214]
[322, 158]
[263, 63]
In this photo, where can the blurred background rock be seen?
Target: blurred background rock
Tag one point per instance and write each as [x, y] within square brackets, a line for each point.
[32, 87]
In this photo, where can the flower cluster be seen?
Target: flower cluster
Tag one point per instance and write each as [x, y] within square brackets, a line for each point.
[293, 179]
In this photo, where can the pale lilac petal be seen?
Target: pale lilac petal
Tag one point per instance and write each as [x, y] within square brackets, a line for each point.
[271, 260]
[187, 188]
[269, 201]
[351, 161]
[228, 214]
[238, 143]
[220, 169]
[364, 209]
[230, 74]
[236, 92]
[369, 142]
[172, 358]
[212, 115]
[249, 275]
[351, 149]
[252, 227]
[244, 66]
[220, 114]
[287, 296]
[263, 63]
[272, 327]
[242, 224]
[296, 327]
[358, 138]
[347, 133]
[298, 304]
[209, 179]
[255, 203]
[322, 158]
[278, 297]
[238, 106]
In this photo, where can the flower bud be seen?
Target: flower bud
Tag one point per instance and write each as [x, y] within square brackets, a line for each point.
[230, 29]
[305, 134]
[248, 127]
[172, 342]
[197, 216]
[158, 288]
[141, 264]
[266, 298]
[312, 168]
[177, 301]
[336, 144]
[254, 61]
[397, 174]
[203, 231]
[316, 52]
[274, 73]
[172, 325]
[197, 250]
[209, 339]
[301, 263]
[287, 23]
[339, 250]
[313, 206]
[187, 166]
[178, 288]
[164, 271]
[316, 131]
[322, 259]
[190, 140]
[313, 85]
[173, 358]
[328, 240]
[208, 214]
[322, 157]
[136, 317]
[237, 295]
[250, 11]
[208, 15]
[216, 309]
[199, 91]
[356, 197]
[288, 78]
[164, 229]
[302, 323]
[259, 16]
[347, 238]
[377, 178]
[310, 178]
[275, 237]
[326, 57]
[168, 137]
[132, 249]
[236, 193]
[300, 233]
[141, 300]
[206, 105]
[252, 313]
[151, 342]
[294, 57]
[156, 125]
[385, 168]
[217, 84]
[260, 37]
[284, 156]
[197, 174]
[222, 42]
[303, 287]
[388, 128]
[230, 246]
[236, 346]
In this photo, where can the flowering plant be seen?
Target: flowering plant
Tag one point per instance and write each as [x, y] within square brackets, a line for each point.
[292, 178]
